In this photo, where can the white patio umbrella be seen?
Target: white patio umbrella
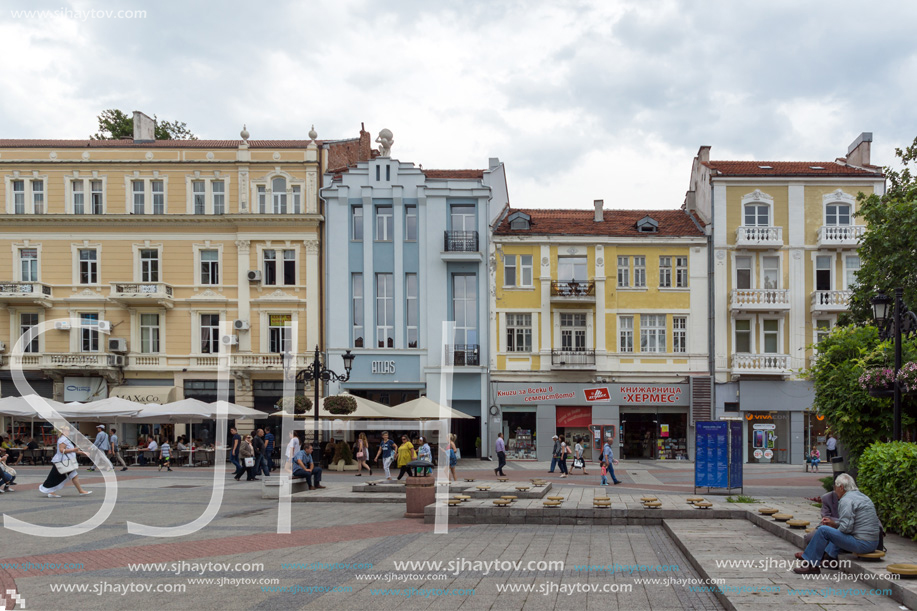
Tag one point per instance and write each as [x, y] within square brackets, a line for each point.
[424, 408]
[20, 408]
[188, 411]
[365, 409]
[235, 411]
[111, 408]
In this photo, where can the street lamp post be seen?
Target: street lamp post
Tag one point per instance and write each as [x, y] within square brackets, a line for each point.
[901, 322]
[316, 372]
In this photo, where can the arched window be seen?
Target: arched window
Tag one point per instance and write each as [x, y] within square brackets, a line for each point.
[279, 187]
[837, 214]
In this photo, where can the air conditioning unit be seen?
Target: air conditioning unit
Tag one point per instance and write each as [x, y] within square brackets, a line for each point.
[2, 347]
[117, 344]
[117, 360]
[62, 325]
[240, 325]
[104, 325]
[254, 275]
[230, 340]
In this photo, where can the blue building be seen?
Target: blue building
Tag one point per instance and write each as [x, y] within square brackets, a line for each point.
[405, 252]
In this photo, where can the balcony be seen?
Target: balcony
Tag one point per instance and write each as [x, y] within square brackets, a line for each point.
[25, 294]
[70, 361]
[573, 359]
[266, 362]
[142, 293]
[760, 300]
[759, 237]
[839, 236]
[826, 302]
[461, 246]
[573, 291]
[760, 364]
[463, 355]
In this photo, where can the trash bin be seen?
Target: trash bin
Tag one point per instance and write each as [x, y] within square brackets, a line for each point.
[838, 465]
[419, 488]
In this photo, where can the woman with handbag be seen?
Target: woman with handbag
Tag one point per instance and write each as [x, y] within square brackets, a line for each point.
[63, 467]
[247, 456]
[361, 452]
[579, 462]
[562, 460]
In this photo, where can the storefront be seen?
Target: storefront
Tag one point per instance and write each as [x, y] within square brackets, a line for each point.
[659, 433]
[767, 436]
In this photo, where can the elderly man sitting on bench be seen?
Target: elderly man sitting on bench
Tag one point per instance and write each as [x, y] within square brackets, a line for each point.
[857, 530]
[304, 466]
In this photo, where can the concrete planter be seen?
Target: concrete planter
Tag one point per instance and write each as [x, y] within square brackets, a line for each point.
[340, 466]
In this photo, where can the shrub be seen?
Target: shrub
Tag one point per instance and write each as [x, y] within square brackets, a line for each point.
[301, 404]
[887, 477]
[340, 405]
[741, 499]
[342, 452]
[827, 483]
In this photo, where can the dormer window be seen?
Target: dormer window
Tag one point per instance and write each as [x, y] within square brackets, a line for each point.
[520, 221]
[647, 225]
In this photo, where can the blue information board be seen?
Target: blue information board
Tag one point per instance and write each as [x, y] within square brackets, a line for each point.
[718, 455]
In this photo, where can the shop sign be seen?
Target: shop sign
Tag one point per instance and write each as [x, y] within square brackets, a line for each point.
[764, 427]
[651, 394]
[574, 416]
[597, 394]
[386, 367]
[84, 389]
[576, 394]
[536, 394]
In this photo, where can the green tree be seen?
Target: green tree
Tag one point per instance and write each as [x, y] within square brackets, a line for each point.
[115, 124]
[888, 250]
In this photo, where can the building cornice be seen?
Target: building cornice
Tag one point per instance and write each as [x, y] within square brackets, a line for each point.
[80, 220]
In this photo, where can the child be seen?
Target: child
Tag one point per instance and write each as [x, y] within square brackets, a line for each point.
[165, 455]
[816, 458]
[604, 472]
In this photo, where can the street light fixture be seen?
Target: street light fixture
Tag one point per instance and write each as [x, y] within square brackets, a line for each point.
[902, 321]
[316, 372]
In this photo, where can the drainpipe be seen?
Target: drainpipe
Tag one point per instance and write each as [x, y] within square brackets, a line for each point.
[711, 306]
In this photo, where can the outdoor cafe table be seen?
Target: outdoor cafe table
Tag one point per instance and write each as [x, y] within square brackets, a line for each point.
[136, 452]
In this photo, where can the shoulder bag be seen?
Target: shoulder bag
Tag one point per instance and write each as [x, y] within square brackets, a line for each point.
[66, 464]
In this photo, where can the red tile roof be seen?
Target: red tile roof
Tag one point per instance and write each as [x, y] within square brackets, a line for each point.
[459, 174]
[166, 144]
[788, 168]
[616, 223]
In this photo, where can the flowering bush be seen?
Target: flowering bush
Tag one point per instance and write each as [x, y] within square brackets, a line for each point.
[907, 377]
[340, 405]
[301, 404]
[881, 378]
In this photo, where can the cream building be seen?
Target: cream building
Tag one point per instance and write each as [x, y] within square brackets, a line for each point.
[149, 258]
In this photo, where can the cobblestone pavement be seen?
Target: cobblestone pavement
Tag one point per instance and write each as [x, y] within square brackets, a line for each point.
[266, 570]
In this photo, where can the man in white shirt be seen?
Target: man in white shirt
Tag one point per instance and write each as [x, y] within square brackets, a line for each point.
[101, 442]
[831, 446]
[115, 451]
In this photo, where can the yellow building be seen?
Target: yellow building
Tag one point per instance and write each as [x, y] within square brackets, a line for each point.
[784, 244]
[148, 258]
[599, 328]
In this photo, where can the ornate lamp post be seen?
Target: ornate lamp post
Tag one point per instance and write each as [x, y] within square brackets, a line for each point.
[901, 321]
[316, 372]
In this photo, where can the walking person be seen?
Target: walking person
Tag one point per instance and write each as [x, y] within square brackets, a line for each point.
[500, 447]
[604, 468]
[234, 447]
[115, 451]
[261, 462]
[831, 447]
[165, 455]
[387, 452]
[609, 457]
[247, 456]
[63, 467]
[102, 442]
[406, 454]
[361, 453]
[453, 457]
[425, 453]
[562, 458]
[555, 453]
[269, 448]
[579, 460]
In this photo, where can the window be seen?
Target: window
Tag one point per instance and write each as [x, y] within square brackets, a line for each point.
[518, 332]
[210, 333]
[743, 272]
[665, 272]
[262, 199]
[385, 224]
[27, 321]
[279, 190]
[280, 333]
[623, 272]
[757, 215]
[38, 196]
[219, 196]
[525, 268]
[356, 283]
[210, 267]
[652, 333]
[771, 267]
[378, 172]
[640, 272]
[851, 267]
[89, 332]
[89, 266]
[297, 199]
[509, 270]
[198, 195]
[356, 223]
[19, 197]
[78, 202]
[137, 192]
[571, 269]
[271, 270]
[520, 275]
[573, 332]
[149, 333]
[771, 343]
[270, 267]
[289, 267]
[679, 334]
[464, 309]
[626, 333]
[95, 192]
[462, 217]
[411, 308]
[410, 223]
[681, 272]
[837, 214]
[28, 264]
[822, 329]
[385, 311]
[149, 265]
[822, 273]
[743, 336]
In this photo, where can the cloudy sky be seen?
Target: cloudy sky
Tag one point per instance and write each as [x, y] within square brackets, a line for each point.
[581, 100]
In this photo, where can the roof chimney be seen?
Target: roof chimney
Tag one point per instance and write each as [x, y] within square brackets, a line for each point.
[703, 154]
[144, 128]
[598, 210]
[691, 201]
[858, 151]
[493, 162]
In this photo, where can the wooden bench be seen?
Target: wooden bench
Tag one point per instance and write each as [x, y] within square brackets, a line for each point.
[271, 485]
